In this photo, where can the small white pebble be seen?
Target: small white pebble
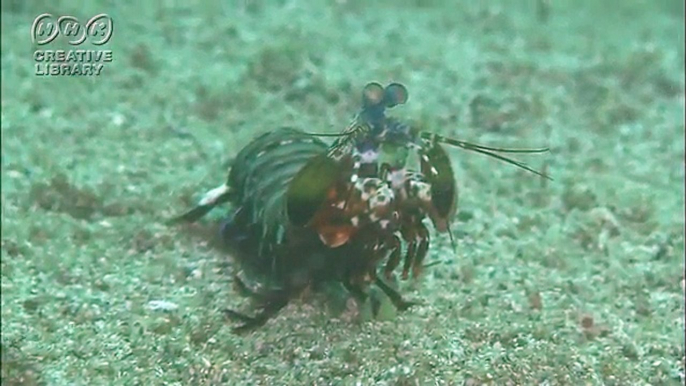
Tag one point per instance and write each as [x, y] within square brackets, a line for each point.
[162, 305]
[14, 174]
[118, 119]
[46, 113]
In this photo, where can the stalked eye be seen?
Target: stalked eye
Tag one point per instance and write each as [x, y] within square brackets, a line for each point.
[372, 95]
[395, 94]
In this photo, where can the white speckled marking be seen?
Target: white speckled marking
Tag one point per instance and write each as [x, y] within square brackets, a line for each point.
[211, 197]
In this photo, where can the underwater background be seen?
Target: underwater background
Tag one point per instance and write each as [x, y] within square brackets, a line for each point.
[579, 280]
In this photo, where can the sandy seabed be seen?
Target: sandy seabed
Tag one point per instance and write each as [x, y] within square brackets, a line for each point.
[575, 281]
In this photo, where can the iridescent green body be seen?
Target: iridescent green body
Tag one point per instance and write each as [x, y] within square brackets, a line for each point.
[260, 177]
[267, 243]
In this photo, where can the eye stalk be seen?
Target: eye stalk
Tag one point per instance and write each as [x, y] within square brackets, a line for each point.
[375, 95]
[395, 94]
[372, 95]
[376, 99]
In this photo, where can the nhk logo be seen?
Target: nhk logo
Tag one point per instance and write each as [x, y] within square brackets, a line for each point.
[96, 31]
